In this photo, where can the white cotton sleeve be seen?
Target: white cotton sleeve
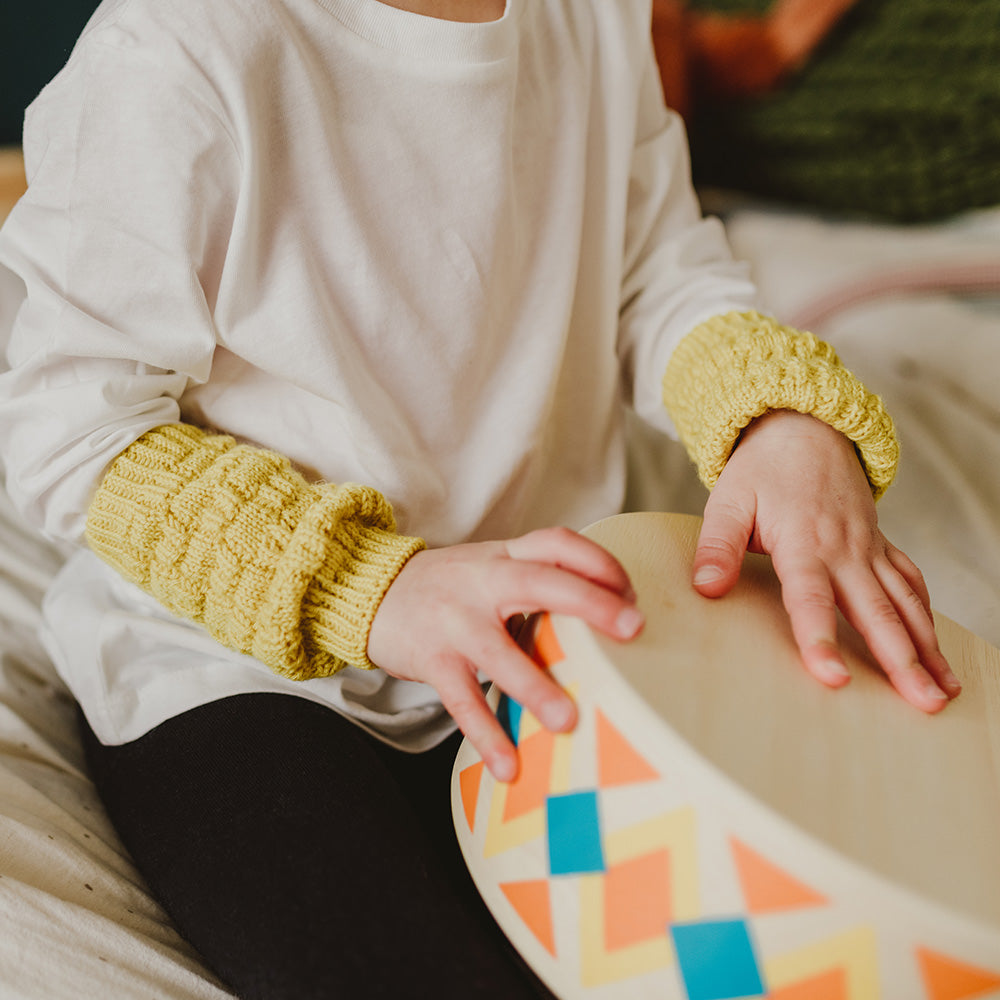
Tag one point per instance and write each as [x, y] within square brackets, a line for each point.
[678, 268]
[120, 242]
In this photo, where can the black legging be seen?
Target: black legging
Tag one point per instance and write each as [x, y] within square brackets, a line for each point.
[303, 858]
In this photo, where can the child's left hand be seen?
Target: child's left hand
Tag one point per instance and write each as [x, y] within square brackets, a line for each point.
[794, 488]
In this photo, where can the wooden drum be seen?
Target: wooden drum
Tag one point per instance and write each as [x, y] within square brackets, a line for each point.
[720, 825]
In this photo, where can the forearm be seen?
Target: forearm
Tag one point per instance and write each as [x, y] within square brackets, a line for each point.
[234, 538]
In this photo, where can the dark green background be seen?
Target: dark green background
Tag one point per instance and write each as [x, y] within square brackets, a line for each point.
[36, 37]
[896, 116]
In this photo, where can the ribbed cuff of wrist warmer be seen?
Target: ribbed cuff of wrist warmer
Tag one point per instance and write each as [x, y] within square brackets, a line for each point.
[340, 602]
[234, 538]
[735, 368]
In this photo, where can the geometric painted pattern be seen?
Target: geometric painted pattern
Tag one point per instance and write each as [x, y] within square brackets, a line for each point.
[853, 953]
[717, 960]
[766, 888]
[830, 985]
[641, 901]
[531, 790]
[532, 902]
[573, 834]
[637, 904]
[948, 979]
[617, 762]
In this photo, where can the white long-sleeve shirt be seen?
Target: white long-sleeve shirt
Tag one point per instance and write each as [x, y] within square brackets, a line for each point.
[435, 258]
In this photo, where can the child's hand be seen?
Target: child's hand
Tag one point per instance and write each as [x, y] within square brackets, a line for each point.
[794, 488]
[445, 618]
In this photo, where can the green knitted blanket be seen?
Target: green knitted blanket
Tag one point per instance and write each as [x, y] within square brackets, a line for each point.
[897, 115]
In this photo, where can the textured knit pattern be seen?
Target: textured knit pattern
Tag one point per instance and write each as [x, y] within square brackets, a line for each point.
[736, 367]
[896, 115]
[232, 537]
[292, 573]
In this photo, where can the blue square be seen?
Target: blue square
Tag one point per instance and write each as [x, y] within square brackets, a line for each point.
[574, 834]
[717, 960]
[509, 717]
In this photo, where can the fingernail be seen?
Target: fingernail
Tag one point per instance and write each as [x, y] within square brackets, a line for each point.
[629, 622]
[933, 691]
[557, 714]
[706, 575]
[834, 669]
[953, 684]
[502, 767]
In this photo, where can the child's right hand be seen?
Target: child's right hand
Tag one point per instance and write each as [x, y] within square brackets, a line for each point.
[445, 617]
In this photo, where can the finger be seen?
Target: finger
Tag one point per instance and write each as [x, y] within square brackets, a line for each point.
[868, 607]
[521, 678]
[462, 696]
[722, 543]
[527, 587]
[907, 568]
[912, 607]
[810, 601]
[572, 551]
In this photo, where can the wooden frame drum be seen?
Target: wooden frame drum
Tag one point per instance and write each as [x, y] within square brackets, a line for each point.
[719, 825]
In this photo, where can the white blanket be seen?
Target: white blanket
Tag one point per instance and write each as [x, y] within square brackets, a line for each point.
[915, 312]
[75, 919]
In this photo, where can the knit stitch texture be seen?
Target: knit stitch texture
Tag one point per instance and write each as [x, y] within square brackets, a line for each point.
[897, 115]
[292, 573]
[234, 538]
[736, 367]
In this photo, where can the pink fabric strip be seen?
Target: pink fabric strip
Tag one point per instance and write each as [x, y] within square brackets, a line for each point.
[967, 277]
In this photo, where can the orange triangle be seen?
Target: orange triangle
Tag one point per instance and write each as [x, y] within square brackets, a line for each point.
[468, 785]
[618, 763]
[766, 888]
[530, 788]
[949, 979]
[830, 985]
[533, 906]
[546, 649]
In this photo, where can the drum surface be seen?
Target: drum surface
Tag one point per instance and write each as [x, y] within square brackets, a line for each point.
[720, 825]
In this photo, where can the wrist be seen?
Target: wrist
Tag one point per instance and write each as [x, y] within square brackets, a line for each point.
[737, 368]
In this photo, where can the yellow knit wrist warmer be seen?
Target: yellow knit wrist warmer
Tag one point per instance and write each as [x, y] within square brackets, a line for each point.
[232, 537]
[736, 367]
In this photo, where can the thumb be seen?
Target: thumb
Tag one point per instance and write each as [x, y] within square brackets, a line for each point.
[725, 535]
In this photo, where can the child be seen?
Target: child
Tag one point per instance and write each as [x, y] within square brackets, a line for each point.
[432, 247]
